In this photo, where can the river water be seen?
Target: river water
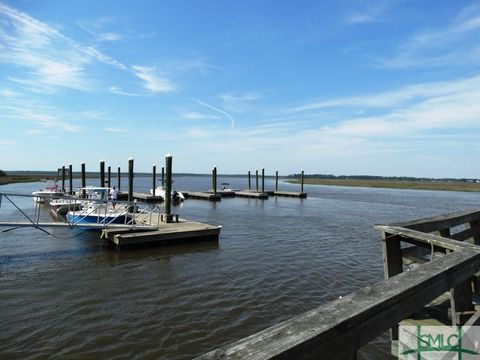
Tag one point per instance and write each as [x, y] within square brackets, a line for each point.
[65, 296]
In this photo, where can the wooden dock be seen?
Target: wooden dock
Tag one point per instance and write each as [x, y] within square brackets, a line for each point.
[447, 267]
[252, 195]
[300, 195]
[174, 233]
[197, 195]
[141, 197]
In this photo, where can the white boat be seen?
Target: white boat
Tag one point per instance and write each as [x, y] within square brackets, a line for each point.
[61, 206]
[97, 209]
[177, 196]
[41, 195]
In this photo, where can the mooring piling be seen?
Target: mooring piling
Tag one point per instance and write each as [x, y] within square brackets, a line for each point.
[84, 182]
[102, 173]
[263, 180]
[118, 178]
[168, 188]
[63, 178]
[303, 175]
[130, 179]
[154, 178]
[256, 180]
[276, 180]
[70, 179]
[249, 181]
[214, 180]
[163, 176]
[109, 176]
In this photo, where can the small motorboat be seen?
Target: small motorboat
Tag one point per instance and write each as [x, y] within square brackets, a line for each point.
[97, 209]
[41, 195]
[177, 196]
[61, 206]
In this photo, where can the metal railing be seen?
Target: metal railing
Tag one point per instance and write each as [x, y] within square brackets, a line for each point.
[79, 212]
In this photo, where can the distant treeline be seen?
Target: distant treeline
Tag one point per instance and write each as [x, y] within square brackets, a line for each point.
[373, 177]
[2, 173]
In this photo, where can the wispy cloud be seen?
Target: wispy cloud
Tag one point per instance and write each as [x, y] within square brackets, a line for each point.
[152, 79]
[372, 13]
[220, 111]
[433, 48]
[194, 115]
[109, 36]
[235, 98]
[116, 130]
[119, 91]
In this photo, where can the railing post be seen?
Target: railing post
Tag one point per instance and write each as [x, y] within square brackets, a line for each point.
[168, 188]
[392, 265]
[102, 173]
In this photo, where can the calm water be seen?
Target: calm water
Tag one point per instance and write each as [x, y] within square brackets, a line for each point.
[64, 296]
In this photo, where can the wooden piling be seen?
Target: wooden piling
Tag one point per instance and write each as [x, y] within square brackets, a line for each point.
[130, 179]
[70, 179]
[63, 178]
[263, 180]
[249, 181]
[214, 180]
[163, 176]
[102, 173]
[303, 174]
[168, 188]
[154, 179]
[256, 179]
[109, 176]
[84, 182]
[118, 178]
[276, 180]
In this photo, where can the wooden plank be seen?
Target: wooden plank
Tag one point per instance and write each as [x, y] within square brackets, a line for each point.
[202, 195]
[442, 222]
[414, 236]
[342, 326]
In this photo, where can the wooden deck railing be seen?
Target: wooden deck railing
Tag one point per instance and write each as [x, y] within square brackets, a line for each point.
[336, 330]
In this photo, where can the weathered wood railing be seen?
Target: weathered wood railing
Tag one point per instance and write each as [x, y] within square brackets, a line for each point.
[336, 330]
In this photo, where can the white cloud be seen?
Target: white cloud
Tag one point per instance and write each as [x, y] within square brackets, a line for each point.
[109, 36]
[234, 98]
[193, 115]
[119, 91]
[116, 130]
[372, 13]
[152, 80]
[454, 44]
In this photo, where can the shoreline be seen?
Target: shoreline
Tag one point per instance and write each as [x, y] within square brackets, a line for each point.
[394, 184]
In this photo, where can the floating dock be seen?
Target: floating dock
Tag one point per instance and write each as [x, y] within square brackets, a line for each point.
[183, 231]
[252, 194]
[300, 195]
[141, 197]
[202, 195]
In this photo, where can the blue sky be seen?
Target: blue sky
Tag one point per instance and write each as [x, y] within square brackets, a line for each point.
[342, 87]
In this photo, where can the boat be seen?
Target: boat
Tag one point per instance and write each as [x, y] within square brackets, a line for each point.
[177, 196]
[61, 206]
[41, 195]
[97, 209]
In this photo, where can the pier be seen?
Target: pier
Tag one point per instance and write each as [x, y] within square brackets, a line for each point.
[442, 256]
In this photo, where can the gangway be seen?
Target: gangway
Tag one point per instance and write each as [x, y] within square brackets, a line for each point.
[101, 214]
